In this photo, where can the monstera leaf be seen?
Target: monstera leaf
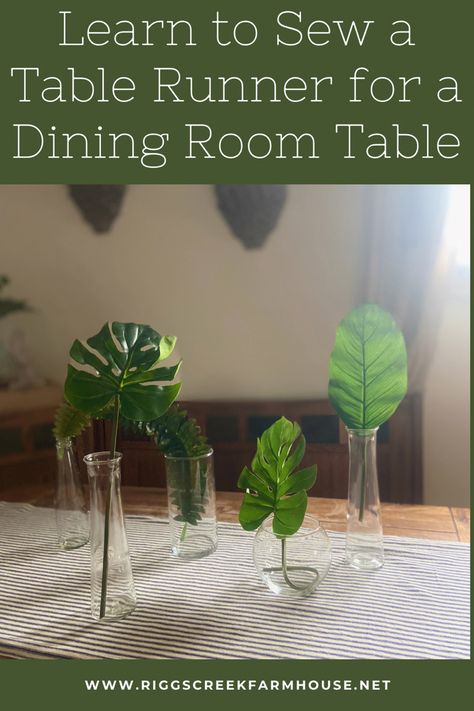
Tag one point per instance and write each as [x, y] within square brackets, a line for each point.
[368, 368]
[272, 485]
[121, 362]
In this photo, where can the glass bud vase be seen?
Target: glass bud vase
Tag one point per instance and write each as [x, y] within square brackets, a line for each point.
[364, 540]
[191, 505]
[295, 565]
[112, 587]
[72, 518]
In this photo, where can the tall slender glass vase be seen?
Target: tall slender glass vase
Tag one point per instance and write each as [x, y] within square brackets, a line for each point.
[112, 587]
[364, 540]
[72, 518]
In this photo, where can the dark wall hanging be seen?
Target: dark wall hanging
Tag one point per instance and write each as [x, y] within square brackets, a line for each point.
[100, 205]
[251, 211]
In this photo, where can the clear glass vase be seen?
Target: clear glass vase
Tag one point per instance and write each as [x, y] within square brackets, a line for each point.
[294, 565]
[364, 540]
[72, 517]
[191, 505]
[112, 587]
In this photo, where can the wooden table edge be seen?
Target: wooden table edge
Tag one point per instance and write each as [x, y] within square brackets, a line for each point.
[404, 520]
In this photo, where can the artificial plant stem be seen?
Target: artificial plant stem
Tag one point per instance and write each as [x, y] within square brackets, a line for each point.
[284, 567]
[363, 481]
[115, 424]
[105, 558]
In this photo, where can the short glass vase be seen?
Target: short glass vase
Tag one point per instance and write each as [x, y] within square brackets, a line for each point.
[295, 565]
[72, 517]
[112, 587]
[191, 505]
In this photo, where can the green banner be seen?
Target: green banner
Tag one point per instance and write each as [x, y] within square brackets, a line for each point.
[237, 684]
[186, 92]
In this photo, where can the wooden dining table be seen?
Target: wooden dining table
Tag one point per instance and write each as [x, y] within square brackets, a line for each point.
[444, 523]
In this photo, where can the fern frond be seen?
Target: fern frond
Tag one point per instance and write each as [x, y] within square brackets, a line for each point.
[176, 434]
[69, 422]
[188, 490]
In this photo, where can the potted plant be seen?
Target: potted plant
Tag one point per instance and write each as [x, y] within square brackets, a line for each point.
[367, 382]
[116, 373]
[292, 552]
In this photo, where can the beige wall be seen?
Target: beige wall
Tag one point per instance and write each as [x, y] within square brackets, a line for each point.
[251, 324]
[446, 420]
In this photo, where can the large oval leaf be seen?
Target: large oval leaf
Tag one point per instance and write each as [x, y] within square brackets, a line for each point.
[122, 360]
[368, 368]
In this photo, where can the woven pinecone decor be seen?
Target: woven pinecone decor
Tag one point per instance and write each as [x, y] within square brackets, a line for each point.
[100, 205]
[251, 211]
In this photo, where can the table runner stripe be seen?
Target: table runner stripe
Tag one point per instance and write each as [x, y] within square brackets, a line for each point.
[415, 607]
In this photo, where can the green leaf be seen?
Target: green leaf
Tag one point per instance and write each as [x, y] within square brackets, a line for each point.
[272, 485]
[10, 306]
[253, 512]
[294, 484]
[255, 482]
[368, 368]
[69, 422]
[289, 514]
[188, 488]
[121, 360]
[295, 458]
[176, 434]
[279, 435]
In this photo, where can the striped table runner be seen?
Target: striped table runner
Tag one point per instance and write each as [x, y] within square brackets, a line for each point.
[415, 607]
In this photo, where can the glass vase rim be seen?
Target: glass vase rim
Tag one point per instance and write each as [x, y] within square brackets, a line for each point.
[362, 432]
[97, 458]
[195, 458]
[267, 527]
[64, 442]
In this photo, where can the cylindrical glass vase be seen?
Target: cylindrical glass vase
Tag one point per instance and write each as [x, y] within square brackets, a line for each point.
[191, 505]
[295, 565]
[364, 540]
[72, 517]
[112, 587]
